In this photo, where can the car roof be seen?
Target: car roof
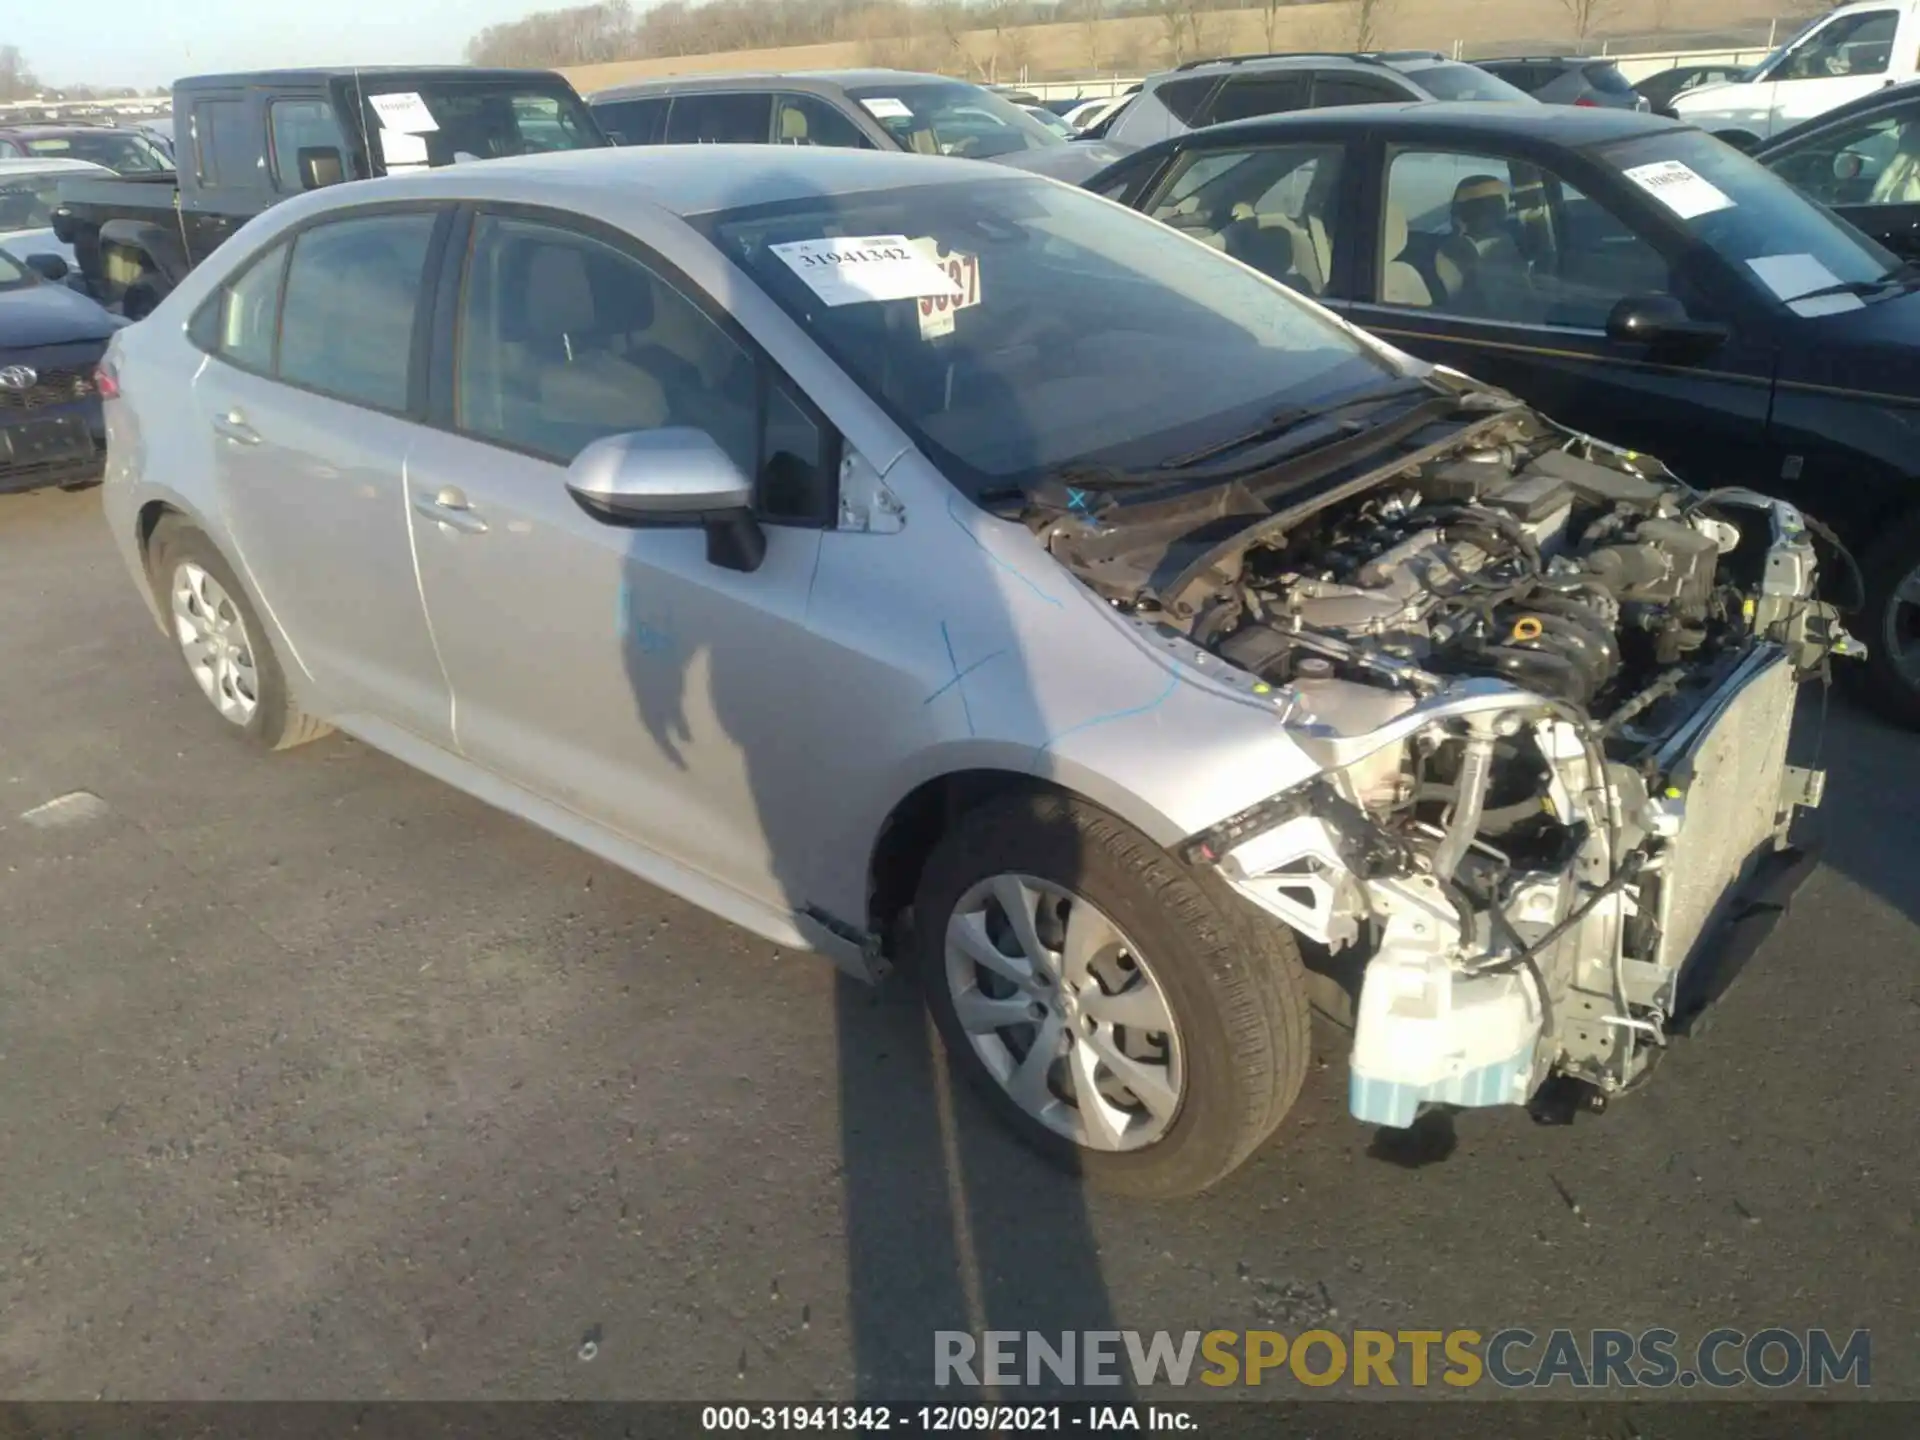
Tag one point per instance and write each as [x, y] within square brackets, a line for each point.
[1541, 60]
[45, 164]
[683, 180]
[1566, 125]
[319, 74]
[772, 80]
[53, 129]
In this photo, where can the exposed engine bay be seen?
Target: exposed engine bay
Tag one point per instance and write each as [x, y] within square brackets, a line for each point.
[1549, 688]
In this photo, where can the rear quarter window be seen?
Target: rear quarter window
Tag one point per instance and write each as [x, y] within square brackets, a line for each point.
[1183, 98]
[634, 122]
[1607, 78]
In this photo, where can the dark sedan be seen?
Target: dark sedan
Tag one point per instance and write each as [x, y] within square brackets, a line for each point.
[1625, 273]
[1863, 160]
[51, 340]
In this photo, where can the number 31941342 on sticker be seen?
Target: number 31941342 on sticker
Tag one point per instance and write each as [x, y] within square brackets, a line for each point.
[937, 311]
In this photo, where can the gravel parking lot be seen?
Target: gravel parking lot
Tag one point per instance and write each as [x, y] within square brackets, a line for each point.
[319, 1079]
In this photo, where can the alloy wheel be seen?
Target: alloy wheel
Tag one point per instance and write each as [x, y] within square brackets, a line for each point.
[1065, 1012]
[213, 638]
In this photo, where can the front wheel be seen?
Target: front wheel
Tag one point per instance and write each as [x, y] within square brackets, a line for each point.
[1892, 672]
[1128, 1017]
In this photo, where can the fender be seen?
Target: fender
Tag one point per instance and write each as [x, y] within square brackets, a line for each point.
[157, 240]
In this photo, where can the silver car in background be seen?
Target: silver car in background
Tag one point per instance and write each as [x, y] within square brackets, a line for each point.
[905, 558]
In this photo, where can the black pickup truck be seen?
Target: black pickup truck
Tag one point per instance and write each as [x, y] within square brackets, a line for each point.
[244, 142]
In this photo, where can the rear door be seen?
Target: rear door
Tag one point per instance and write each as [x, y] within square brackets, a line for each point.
[311, 427]
[1504, 269]
[226, 145]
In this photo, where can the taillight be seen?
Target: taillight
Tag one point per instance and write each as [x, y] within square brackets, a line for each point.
[1589, 104]
[106, 381]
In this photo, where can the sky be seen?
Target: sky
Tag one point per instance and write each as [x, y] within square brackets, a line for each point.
[154, 42]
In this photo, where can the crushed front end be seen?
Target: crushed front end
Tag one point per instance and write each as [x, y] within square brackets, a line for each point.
[1549, 690]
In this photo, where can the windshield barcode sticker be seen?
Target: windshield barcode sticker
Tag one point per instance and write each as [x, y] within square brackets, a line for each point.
[846, 271]
[1679, 189]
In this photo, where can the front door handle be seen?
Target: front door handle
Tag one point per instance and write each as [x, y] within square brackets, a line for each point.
[448, 506]
[233, 425]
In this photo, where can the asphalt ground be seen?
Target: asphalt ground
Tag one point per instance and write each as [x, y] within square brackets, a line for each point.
[318, 1079]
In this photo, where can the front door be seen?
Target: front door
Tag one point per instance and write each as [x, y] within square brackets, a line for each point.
[310, 439]
[616, 671]
[1504, 270]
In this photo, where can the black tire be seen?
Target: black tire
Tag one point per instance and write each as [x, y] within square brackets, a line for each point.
[1894, 556]
[277, 722]
[1232, 979]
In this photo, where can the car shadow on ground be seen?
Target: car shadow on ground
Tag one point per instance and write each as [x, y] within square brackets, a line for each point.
[1869, 764]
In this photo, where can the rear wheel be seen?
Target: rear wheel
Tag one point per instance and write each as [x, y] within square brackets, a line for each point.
[1892, 671]
[222, 641]
[1128, 1017]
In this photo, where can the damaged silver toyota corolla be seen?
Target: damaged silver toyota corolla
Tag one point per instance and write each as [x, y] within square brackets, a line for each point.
[897, 556]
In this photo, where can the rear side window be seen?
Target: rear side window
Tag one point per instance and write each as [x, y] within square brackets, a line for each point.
[297, 125]
[346, 325]
[1607, 78]
[809, 120]
[720, 120]
[634, 122]
[1183, 98]
[223, 143]
[1331, 90]
[1250, 95]
[237, 323]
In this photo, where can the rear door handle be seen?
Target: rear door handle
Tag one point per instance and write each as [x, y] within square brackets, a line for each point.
[233, 425]
[448, 506]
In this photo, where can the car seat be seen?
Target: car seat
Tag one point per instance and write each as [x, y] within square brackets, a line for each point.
[1400, 282]
[793, 126]
[1478, 264]
[1899, 183]
[1271, 244]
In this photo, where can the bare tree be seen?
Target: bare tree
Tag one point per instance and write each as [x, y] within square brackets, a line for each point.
[1270, 22]
[1172, 16]
[17, 80]
[1586, 16]
[1091, 13]
[1370, 19]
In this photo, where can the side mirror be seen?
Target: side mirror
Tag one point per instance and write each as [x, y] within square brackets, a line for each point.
[47, 267]
[671, 476]
[1661, 320]
[320, 165]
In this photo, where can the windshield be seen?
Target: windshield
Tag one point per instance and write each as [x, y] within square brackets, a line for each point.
[953, 118]
[441, 122]
[1447, 81]
[27, 201]
[120, 150]
[1772, 234]
[1080, 333]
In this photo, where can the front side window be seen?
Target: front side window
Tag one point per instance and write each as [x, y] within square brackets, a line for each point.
[809, 120]
[1071, 332]
[1859, 44]
[296, 125]
[1870, 162]
[733, 119]
[951, 117]
[1272, 207]
[346, 325]
[222, 142]
[564, 340]
[1493, 238]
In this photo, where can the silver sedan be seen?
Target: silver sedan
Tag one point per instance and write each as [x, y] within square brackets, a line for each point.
[901, 558]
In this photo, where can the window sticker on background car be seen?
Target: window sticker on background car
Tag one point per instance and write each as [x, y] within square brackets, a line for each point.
[405, 112]
[1679, 189]
[1795, 278]
[849, 269]
[402, 151]
[937, 311]
[885, 107]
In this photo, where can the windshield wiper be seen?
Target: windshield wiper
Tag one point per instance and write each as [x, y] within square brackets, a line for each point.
[1282, 422]
[1906, 273]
